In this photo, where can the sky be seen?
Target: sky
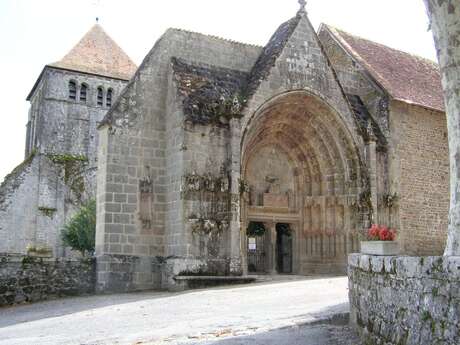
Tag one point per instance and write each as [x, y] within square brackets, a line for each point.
[34, 33]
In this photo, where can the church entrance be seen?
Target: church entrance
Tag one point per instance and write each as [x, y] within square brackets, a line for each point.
[283, 248]
[256, 244]
[301, 177]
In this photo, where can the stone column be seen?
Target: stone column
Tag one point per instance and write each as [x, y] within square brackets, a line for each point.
[296, 241]
[271, 229]
[371, 156]
[235, 250]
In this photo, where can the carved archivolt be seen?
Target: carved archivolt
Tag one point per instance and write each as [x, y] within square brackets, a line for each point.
[321, 155]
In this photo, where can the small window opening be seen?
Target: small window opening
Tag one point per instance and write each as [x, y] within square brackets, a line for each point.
[72, 90]
[83, 92]
[100, 96]
[108, 99]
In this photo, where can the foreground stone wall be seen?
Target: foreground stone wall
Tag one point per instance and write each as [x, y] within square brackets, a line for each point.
[31, 279]
[405, 300]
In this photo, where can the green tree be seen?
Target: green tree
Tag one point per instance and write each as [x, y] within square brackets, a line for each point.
[80, 232]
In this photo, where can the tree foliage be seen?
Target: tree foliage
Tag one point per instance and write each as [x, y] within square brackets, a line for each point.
[80, 232]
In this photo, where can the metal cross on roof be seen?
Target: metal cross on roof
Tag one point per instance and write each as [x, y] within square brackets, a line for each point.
[302, 3]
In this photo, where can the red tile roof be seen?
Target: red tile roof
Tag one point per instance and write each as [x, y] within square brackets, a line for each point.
[97, 53]
[405, 77]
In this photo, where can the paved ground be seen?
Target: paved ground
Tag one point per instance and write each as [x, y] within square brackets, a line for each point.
[273, 312]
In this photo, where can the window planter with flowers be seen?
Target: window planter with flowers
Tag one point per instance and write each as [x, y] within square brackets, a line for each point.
[380, 241]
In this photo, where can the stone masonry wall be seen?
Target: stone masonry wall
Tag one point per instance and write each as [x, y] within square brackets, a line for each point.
[15, 193]
[140, 163]
[48, 187]
[416, 164]
[31, 279]
[405, 300]
[420, 172]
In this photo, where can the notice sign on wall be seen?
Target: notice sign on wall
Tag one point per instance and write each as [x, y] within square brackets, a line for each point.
[252, 243]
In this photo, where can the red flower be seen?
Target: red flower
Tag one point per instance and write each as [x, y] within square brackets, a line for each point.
[384, 234]
[381, 233]
[392, 234]
[373, 232]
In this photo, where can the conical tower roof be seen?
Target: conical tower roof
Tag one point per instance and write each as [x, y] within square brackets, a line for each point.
[97, 53]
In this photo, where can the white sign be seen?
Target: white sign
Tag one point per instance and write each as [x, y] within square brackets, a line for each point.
[252, 243]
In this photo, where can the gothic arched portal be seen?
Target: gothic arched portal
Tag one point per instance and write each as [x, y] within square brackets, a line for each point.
[301, 168]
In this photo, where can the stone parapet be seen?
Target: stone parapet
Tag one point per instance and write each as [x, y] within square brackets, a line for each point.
[402, 300]
[30, 279]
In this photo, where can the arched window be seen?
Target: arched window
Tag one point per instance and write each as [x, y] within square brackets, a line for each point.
[100, 96]
[72, 90]
[83, 92]
[108, 98]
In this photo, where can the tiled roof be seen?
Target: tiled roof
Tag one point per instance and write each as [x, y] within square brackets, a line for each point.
[405, 77]
[97, 53]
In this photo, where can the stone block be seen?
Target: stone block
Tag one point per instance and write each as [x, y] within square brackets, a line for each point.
[377, 264]
[364, 262]
[353, 260]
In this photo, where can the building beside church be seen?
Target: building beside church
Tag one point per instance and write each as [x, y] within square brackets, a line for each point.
[68, 100]
[219, 158]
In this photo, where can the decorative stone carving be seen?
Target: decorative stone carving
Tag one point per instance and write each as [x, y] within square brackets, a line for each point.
[206, 226]
[205, 183]
[145, 200]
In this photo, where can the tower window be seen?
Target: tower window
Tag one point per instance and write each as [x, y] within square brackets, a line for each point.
[83, 92]
[100, 96]
[72, 90]
[108, 98]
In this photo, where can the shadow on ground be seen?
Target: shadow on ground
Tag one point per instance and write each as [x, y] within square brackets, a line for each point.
[332, 331]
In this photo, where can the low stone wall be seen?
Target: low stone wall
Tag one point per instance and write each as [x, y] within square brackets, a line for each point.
[405, 300]
[31, 279]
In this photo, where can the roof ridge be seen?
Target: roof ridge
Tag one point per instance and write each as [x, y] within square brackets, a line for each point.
[217, 37]
[340, 31]
[271, 52]
[404, 76]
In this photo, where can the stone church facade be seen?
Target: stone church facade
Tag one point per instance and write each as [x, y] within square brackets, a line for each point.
[219, 158]
[306, 141]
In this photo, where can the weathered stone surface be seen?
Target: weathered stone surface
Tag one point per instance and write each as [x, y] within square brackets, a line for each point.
[59, 171]
[413, 301]
[211, 135]
[32, 279]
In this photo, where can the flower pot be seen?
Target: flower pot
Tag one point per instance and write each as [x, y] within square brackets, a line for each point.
[379, 247]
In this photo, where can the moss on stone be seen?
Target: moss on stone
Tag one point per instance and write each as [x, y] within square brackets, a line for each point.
[426, 315]
[47, 211]
[73, 166]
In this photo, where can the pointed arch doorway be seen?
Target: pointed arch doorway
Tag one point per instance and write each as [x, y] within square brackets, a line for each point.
[302, 172]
